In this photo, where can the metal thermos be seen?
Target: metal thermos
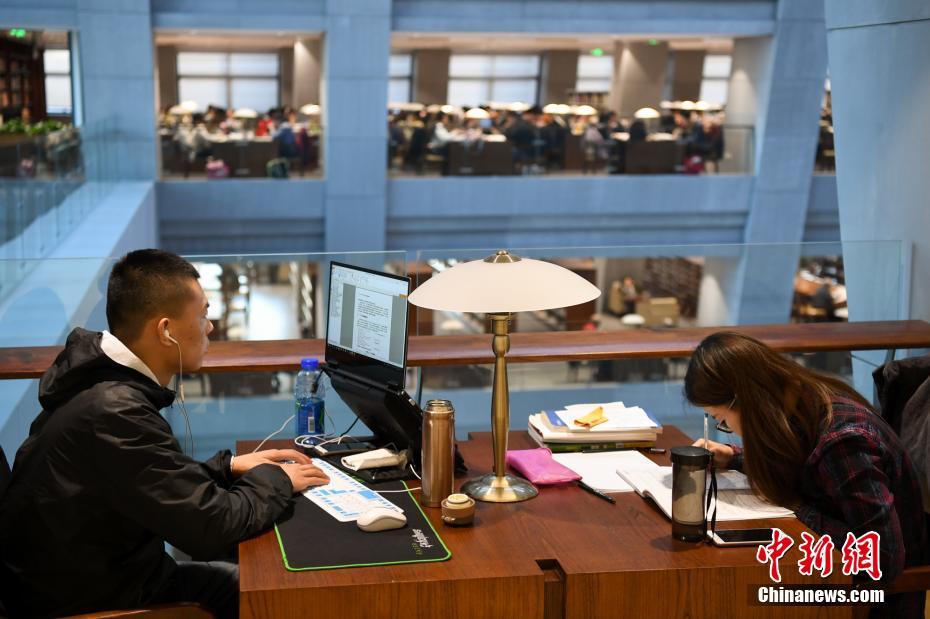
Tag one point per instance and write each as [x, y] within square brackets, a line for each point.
[438, 451]
[689, 486]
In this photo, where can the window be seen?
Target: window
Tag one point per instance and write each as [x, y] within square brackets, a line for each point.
[594, 74]
[229, 80]
[401, 71]
[476, 79]
[715, 82]
[57, 81]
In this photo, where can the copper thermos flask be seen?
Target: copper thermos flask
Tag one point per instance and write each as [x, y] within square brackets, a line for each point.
[438, 451]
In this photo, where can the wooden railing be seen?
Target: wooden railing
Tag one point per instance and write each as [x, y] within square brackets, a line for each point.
[285, 355]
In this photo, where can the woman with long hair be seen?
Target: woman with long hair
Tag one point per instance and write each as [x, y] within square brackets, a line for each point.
[812, 444]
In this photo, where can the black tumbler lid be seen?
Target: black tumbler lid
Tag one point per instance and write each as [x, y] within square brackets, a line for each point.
[691, 456]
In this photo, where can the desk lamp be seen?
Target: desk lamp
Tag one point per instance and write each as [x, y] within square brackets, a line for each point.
[498, 286]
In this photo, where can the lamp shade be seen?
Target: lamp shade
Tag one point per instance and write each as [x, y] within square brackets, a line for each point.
[503, 283]
[245, 112]
[310, 109]
[584, 110]
[406, 107]
[477, 113]
[557, 108]
[190, 106]
[646, 113]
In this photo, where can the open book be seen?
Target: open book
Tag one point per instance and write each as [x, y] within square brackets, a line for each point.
[735, 501]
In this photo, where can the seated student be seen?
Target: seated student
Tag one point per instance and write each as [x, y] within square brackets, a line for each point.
[814, 445]
[101, 483]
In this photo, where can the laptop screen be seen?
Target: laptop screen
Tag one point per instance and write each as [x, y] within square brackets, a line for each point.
[366, 328]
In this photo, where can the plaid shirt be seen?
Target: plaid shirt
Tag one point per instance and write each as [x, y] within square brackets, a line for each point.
[858, 478]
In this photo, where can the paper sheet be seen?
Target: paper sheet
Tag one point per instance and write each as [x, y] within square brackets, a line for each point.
[598, 469]
[619, 417]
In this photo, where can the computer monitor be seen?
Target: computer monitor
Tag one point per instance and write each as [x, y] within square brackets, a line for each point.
[366, 353]
[366, 329]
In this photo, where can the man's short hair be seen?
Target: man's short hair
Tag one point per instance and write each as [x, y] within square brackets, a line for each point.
[144, 283]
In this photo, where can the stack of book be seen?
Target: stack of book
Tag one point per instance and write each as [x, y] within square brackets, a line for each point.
[617, 427]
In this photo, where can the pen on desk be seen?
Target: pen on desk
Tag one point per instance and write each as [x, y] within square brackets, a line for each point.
[595, 492]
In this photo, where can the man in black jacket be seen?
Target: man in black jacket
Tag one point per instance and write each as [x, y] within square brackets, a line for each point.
[101, 482]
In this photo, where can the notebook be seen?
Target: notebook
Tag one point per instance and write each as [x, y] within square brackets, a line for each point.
[735, 501]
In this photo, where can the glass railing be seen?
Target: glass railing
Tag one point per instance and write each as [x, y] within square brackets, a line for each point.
[278, 297]
[414, 150]
[55, 180]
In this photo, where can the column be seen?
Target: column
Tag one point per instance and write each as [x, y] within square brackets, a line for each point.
[879, 92]
[786, 136]
[308, 67]
[356, 47]
[750, 78]
[431, 76]
[118, 72]
[688, 71]
[167, 70]
[559, 76]
[639, 76]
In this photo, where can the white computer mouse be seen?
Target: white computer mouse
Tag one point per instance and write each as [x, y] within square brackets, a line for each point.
[381, 519]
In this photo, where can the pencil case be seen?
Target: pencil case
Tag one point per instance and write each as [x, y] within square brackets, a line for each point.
[538, 466]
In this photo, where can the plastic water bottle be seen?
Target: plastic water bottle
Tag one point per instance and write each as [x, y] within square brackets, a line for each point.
[308, 398]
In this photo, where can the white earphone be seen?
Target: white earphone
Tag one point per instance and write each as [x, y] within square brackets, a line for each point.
[180, 388]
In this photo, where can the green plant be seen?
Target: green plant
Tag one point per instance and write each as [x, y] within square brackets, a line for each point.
[40, 128]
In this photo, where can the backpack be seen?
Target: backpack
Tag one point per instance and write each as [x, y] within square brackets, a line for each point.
[277, 168]
[217, 168]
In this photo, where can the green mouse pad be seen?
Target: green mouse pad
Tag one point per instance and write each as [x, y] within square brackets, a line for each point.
[311, 539]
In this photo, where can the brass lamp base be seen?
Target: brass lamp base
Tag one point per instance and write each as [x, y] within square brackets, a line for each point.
[494, 489]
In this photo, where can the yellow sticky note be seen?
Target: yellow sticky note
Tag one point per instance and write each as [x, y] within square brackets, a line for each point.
[593, 418]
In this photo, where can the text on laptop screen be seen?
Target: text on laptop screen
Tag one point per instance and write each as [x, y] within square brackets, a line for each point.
[368, 314]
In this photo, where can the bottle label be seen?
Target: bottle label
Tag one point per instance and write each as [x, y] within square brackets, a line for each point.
[310, 416]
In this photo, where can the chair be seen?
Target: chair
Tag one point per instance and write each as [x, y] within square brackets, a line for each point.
[158, 611]
[902, 390]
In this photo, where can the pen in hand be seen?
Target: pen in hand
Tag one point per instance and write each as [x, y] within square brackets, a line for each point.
[595, 492]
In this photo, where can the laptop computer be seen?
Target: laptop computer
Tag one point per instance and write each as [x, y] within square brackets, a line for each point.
[366, 354]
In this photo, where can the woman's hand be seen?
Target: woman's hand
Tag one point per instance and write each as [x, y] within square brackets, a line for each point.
[722, 453]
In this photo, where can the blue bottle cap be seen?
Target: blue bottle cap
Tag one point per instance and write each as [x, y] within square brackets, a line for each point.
[310, 363]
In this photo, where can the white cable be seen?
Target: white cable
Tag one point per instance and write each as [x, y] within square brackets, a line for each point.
[388, 491]
[179, 385]
[278, 431]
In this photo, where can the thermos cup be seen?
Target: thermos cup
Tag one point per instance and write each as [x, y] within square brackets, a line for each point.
[438, 451]
[689, 487]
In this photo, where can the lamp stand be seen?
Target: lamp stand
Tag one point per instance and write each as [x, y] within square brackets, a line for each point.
[500, 487]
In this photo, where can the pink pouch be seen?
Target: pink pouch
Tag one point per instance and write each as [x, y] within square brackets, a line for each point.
[538, 466]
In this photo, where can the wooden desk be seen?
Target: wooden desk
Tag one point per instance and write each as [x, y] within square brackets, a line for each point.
[564, 554]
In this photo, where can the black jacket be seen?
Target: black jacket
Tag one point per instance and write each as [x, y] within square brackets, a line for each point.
[100, 485]
[903, 389]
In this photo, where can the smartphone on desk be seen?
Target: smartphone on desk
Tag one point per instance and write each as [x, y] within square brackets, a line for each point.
[740, 537]
[342, 449]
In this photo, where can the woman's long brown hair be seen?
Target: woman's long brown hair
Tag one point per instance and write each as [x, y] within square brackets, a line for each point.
[782, 407]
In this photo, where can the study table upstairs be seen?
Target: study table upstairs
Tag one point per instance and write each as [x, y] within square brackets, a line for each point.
[565, 553]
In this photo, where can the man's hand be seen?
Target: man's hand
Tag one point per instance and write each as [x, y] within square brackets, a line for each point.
[722, 453]
[246, 462]
[299, 467]
[304, 475]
